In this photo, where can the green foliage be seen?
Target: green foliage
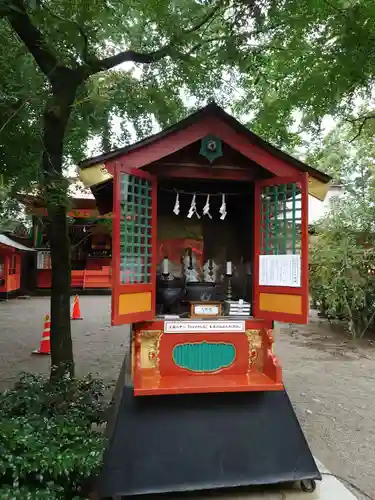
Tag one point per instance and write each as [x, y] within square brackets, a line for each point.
[48, 449]
[24, 493]
[11, 214]
[343, 253]
[23, 93]
[347, 153]
[314, 56]
[341, 260]
[265, 59]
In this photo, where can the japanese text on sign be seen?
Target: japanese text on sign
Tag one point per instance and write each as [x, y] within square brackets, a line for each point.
[280, 270]
[203, 326]
[198, 309]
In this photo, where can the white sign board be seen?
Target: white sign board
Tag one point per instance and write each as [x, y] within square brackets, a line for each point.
[280, 270]
[44, 259]
[206, 310]
[204, 326]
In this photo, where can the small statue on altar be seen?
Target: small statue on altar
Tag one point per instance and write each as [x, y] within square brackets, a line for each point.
[210, 270]
[189, 264]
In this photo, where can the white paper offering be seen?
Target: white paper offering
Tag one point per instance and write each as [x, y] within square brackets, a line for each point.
[280, 270]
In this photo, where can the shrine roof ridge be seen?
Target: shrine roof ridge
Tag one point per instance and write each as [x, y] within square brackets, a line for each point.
[214, 110]
[8, 242]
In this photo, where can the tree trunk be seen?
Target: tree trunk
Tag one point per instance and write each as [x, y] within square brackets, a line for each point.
[56, 116]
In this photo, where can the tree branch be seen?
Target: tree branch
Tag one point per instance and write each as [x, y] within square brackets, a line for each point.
[337, 9]
[129, 55]
[204, 20]
[4, 122]
[363, 120]
[32, 38]
[151, 57]
[85, 51]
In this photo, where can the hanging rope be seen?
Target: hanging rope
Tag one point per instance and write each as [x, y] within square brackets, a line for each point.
[199, 193]
[193, 206]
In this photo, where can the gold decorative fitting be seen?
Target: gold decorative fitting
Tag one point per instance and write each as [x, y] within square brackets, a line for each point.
[147, 334]
[255, 347]
[150, 342]
[269, 339]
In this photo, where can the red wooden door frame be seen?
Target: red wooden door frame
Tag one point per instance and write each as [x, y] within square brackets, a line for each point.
[117, 287]
[303, 291]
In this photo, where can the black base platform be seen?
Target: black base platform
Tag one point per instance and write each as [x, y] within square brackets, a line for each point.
[163, 444]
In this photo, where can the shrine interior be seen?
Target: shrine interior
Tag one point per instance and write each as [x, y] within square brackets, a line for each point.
[208, 255]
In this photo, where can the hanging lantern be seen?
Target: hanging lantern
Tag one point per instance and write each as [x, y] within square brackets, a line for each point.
[211, 148]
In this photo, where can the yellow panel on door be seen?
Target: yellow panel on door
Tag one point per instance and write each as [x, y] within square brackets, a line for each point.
[130, 303]
[277, 302]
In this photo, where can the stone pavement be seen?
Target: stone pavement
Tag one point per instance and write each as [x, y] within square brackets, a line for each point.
[329, 380]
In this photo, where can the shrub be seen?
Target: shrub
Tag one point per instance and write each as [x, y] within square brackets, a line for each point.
[341, 260]
[48, 448]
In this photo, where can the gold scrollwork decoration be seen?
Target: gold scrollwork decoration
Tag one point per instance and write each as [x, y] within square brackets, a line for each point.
[255, 345]
[150, 342]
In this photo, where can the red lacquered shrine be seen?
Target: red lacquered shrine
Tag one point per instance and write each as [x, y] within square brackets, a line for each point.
[210, 247]
[10, 266]
[90, 240]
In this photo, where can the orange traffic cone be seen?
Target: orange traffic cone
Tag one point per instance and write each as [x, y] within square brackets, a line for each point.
[76, 314]
[45, 345]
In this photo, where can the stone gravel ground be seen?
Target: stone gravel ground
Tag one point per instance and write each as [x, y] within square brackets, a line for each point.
[330, 380]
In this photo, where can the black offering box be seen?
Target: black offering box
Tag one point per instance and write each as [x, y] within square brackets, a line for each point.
[202, 291]
[169, 295]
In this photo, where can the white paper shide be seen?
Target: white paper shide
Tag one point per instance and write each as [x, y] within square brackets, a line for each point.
[280, 270]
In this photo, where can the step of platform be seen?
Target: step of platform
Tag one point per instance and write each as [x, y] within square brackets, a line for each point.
[330, 488]
[153, 384]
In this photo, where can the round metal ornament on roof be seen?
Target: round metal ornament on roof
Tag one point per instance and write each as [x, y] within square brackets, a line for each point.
[211, 148]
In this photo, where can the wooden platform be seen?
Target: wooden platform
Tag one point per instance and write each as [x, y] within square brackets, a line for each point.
[152, 384]
[179, 443]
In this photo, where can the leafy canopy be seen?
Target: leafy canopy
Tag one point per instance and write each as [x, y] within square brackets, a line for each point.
[318, 57]
[170, 50]
[263, 58]
[348, 155]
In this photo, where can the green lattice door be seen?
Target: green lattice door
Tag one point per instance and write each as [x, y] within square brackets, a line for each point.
[281, 249]
[134, 243]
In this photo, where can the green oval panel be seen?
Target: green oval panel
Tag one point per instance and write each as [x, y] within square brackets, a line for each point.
[204, 356]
